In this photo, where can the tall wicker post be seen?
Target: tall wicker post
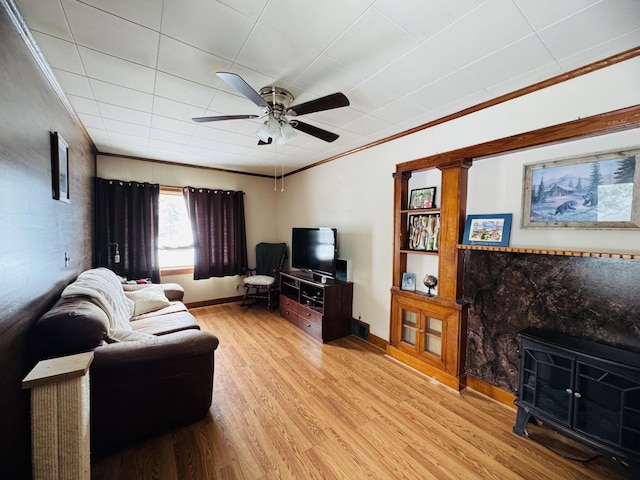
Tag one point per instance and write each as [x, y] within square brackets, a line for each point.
[60, 418]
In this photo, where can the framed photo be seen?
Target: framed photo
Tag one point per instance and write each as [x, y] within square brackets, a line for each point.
[598, 191]
[423, 198]
[490, 230]
[409, 281]
[424, 232]
[60, 167]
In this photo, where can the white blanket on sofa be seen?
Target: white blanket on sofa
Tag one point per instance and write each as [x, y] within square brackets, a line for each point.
[103, 286]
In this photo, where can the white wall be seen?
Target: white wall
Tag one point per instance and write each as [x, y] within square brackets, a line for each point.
[355, 193]
[259, 202]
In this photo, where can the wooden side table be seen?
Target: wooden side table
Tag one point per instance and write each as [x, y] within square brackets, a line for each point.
[60, 417]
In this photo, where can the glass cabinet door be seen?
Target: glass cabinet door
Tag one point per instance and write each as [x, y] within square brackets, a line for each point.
[433, 336]
[409, 327]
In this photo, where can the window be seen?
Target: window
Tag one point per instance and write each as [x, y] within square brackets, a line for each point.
[175, 242]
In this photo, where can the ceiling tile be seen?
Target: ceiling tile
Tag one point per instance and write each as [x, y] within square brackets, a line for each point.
[274, 54]
[456, 86]
[46, 17]
[125, 139]
[143, 12]
[84, 105]
[107, 33]
[591, 27]
[490, 27]
[424, 19]
[181, 90]
[509, 62]
[73, 83]
[185, 61]
[251, 8]
[124, 97]
[179, 111]
[316, 24]
[543, 13]
[117, 71]
[601, 51]
[325, 76]
[364, 36]
[91, 121]
[417, 68]
[59, 53]
[209, 26]
[128, 128]
[115, 112]
[171, 125]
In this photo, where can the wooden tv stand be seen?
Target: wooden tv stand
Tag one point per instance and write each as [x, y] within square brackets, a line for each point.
[323, 310]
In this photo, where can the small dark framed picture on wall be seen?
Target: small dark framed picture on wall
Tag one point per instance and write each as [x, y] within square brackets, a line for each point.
[60, 167]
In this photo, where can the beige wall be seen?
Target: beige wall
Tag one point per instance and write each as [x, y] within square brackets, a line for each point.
[259, 203]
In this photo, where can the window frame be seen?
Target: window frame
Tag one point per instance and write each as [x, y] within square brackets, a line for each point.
[178, 269]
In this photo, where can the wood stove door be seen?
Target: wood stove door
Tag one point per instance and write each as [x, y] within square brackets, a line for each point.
[547, 382]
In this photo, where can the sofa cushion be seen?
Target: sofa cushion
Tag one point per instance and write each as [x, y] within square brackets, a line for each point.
[163, 324]
[148, 299]
[73, 325]
[115, 336]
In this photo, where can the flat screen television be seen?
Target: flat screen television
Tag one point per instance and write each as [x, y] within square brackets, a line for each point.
[314, 249]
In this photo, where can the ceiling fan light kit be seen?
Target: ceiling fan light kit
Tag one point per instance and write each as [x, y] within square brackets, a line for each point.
[275, 103]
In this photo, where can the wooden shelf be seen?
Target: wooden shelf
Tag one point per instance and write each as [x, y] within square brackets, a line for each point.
[420, 252]
[420, 210]
[550, 251]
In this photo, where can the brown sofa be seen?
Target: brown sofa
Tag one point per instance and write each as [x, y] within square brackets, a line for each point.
[147, 380]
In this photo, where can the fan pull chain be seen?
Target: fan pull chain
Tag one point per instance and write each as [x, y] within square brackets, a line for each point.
[275, 171]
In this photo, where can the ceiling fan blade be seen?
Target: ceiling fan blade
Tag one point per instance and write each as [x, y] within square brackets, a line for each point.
[223, 117]
[335, 100]
[243, 87]
[315, 131]
[260, 142]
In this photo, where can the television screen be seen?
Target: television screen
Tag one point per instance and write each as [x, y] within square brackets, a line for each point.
[314, 249]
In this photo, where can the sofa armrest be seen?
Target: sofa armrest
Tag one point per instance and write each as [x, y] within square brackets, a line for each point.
[156, 350]
[142, 388]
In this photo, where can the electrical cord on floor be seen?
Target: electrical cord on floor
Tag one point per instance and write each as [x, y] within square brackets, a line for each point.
[573, 459]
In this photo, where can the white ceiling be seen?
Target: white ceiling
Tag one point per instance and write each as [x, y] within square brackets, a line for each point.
[137, 71]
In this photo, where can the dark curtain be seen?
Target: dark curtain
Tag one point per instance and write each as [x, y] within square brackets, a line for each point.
[127, 215]
[219, 235]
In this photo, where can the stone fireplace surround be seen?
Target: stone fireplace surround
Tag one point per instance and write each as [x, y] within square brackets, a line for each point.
[593, 298]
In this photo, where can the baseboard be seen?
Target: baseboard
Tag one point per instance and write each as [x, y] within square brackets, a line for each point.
[491, 391]
[215, 301]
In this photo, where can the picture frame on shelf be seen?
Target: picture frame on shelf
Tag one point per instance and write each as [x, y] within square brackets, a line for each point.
[60, 167]
[423, 232]
[488, 230]
[597, 191]
[422, 198]
[409, 282]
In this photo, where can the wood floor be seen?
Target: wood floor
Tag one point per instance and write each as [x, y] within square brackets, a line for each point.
[288, 407]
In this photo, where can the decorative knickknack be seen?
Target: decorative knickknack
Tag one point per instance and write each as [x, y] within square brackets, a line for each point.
[430, 281]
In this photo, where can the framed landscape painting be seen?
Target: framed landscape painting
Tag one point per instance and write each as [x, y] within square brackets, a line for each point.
[598, 191]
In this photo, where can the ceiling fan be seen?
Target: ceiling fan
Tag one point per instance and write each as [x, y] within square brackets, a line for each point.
[276, 105]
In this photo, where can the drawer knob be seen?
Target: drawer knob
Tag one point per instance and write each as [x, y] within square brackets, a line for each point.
[577, 395]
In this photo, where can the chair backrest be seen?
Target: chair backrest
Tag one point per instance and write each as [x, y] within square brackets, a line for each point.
[270, 258]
